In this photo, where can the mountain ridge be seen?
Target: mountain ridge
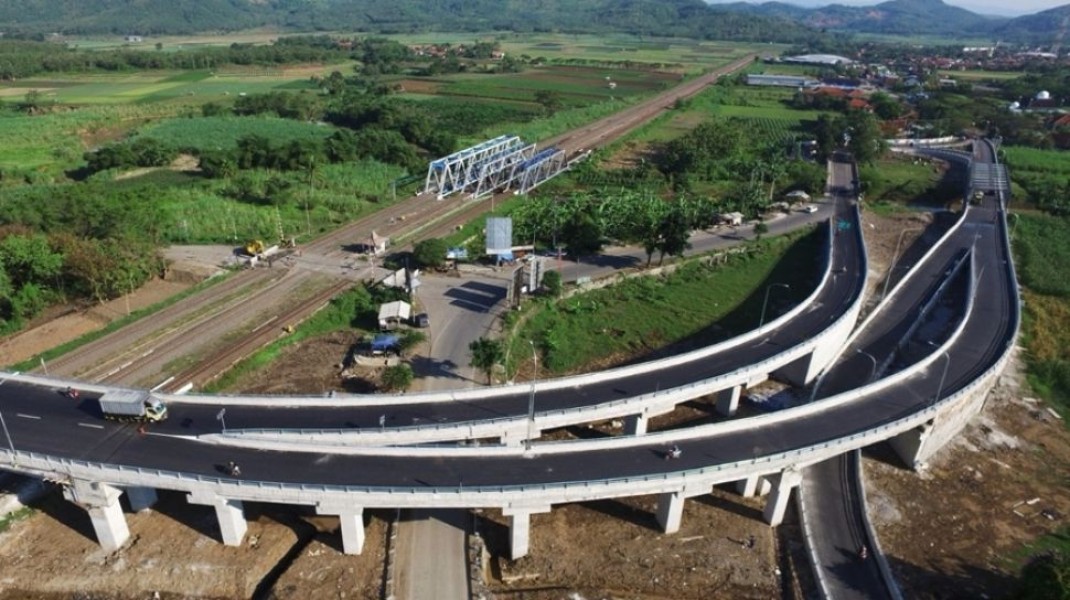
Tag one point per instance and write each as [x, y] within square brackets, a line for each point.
[689, 18]
[774, 21]
[913, 17]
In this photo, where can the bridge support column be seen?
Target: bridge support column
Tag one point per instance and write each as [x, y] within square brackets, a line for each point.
[785, 482]
[755, 485]
[229, 513]
[101, 501]
[635, 424]
[728, 400]
[351, 520]
[520, 529]
[140, 498]
[670, 511]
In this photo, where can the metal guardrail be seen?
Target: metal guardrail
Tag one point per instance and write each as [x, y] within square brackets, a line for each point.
[489, 496]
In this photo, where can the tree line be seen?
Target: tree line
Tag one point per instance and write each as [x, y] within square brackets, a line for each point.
[23, 58]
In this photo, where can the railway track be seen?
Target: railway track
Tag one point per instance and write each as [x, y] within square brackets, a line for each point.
[120, 348]
[184, 322]
[209, 369]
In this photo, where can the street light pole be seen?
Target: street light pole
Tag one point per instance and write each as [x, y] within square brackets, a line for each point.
[765, 303]
[7, 434]
[895, 256]
[872, 373]
[531, 399]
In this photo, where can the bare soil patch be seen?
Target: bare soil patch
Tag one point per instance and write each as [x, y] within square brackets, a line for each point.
[67, 323]
[614, 549]
[959, 528]
[416, 86]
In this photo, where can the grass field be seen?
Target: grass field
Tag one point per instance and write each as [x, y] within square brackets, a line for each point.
[1042, 248]
[647, 313]
[1051, 162]
[224, 132]
[196, 86]
[895, 181]
[682, 55]
[577, 86]
[762, 108]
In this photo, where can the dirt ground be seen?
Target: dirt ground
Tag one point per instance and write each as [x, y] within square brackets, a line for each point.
[959, 529]
[978, 510]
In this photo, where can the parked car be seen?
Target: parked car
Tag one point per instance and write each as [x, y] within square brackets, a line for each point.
[421, 320]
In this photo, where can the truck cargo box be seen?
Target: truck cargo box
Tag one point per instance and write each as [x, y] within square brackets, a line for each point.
[132, 405]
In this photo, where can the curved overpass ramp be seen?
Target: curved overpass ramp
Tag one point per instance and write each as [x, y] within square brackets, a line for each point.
[832, 496]
[99, 464]
[794, 346]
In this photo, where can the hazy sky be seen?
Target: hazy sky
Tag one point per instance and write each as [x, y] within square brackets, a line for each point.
[989, 7]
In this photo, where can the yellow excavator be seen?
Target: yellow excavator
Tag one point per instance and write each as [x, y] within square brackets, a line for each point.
[254, 247]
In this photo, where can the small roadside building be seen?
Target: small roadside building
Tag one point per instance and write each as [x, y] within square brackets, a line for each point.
[393, 314]
[732, 218]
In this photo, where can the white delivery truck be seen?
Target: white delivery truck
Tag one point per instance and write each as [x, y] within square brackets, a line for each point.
[132, 405]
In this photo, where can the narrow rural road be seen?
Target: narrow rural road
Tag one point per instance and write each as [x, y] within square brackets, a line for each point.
[431, 555]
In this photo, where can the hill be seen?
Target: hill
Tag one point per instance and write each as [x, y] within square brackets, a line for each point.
[690, 18]
[1041, 27]
[900, 17]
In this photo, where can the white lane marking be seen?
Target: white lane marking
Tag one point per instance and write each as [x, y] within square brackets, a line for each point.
[93, 425]
[28, 416]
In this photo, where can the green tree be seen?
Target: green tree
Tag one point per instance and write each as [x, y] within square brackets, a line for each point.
[1045, 577]
[582, 235]
[430, 253]
[549, 99]
[760, 229]
[397, 378]
[674, 233]
[486, 354]
[29, 259]
[885, 106]
[866, 141]
[551, 282]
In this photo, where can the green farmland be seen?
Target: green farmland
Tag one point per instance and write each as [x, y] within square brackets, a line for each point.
[192, 87]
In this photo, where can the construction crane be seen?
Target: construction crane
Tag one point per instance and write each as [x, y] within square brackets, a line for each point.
[1059, 35]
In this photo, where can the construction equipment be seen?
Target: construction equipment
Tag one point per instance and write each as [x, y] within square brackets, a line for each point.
[254, 247]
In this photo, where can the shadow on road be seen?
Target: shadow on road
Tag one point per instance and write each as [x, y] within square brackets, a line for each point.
[425, 366]
[475, 296]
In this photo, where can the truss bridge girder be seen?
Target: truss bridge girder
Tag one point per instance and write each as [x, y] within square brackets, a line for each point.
[502, 170]
[461, 170]
[542, 167]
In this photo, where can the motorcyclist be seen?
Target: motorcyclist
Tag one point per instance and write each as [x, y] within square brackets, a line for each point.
[863, 552]
[674, 452]
[233, 468]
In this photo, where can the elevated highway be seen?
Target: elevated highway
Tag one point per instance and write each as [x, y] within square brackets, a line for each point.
[832, 496]
[917, 408]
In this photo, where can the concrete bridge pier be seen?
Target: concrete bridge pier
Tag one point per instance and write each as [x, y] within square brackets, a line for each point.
[916, 446]
[636, 424]
[101, 501]
[351, 519]
[670, 511]
[783, 484]
[755, 485]
[141, 498]
[520, 528]
[229, 513]
[728, 400]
